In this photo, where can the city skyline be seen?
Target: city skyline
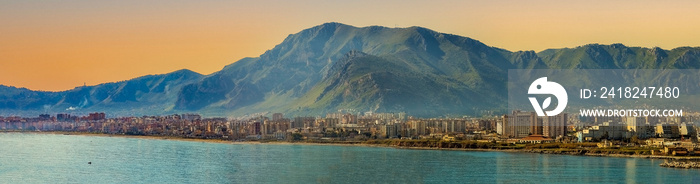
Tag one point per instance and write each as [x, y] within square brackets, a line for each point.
[55, 46]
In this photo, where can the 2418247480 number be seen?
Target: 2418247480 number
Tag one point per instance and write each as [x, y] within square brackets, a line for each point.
[640, 92]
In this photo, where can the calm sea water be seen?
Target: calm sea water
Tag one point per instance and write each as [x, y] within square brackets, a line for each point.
[46, 158]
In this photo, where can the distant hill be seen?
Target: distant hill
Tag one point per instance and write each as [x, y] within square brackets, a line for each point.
[151, 94]
[336, 66]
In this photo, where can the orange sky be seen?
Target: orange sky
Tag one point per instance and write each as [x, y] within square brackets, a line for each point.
[57, 45]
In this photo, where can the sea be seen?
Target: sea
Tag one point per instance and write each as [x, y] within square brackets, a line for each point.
[57, 158]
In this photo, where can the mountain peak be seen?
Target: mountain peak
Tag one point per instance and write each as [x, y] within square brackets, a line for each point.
[186, 72]
[336, 24]
[327, 27]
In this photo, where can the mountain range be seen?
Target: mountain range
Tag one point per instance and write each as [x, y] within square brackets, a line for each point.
[334, 66]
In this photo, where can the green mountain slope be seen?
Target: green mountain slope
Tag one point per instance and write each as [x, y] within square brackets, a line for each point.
[366, 82]
[336, 66]
[275, 80]
[618, 56]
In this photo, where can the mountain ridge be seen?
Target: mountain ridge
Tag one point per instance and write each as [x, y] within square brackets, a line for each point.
[138, 93]
[337, 66]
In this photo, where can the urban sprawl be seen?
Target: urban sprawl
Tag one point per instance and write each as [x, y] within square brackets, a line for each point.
[668, 135]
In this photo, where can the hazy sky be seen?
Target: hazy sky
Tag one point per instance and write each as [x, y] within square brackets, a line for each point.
[57, 45]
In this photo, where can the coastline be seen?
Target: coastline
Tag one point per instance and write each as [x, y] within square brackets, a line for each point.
[664, 157]
[364, 144]
[175, 138]
[150, 137]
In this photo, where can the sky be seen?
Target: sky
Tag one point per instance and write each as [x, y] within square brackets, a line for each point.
[58, 45]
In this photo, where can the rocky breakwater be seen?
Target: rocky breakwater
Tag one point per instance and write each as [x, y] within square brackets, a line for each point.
[681, 164]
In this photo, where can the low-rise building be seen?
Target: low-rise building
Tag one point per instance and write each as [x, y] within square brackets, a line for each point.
[536, 139]
[658, 142]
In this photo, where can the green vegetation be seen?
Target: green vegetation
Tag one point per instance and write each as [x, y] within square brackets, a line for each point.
[555, 148]
[297, 136]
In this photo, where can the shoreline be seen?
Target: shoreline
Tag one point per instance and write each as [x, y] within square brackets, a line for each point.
[664, 157]
[362, 144]
[149, 137]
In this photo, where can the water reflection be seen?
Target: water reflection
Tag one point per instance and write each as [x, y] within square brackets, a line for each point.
[631, 170]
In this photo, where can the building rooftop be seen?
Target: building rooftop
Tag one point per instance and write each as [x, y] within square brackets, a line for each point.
[536, 138]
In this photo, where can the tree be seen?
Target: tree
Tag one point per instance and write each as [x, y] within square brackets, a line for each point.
[297, 136]
[634, 139]
[605, 136]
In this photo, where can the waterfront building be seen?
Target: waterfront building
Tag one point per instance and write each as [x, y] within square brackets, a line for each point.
[687, 131]
[645, 131]
[554, 126]
[389, 131]
[255, 128]
[521, 124]
[634, 123]
[499, 126]
[331, 122]
[419, 127]
[536, 139]
[604, 131]
[454, 126]
[667, 130]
